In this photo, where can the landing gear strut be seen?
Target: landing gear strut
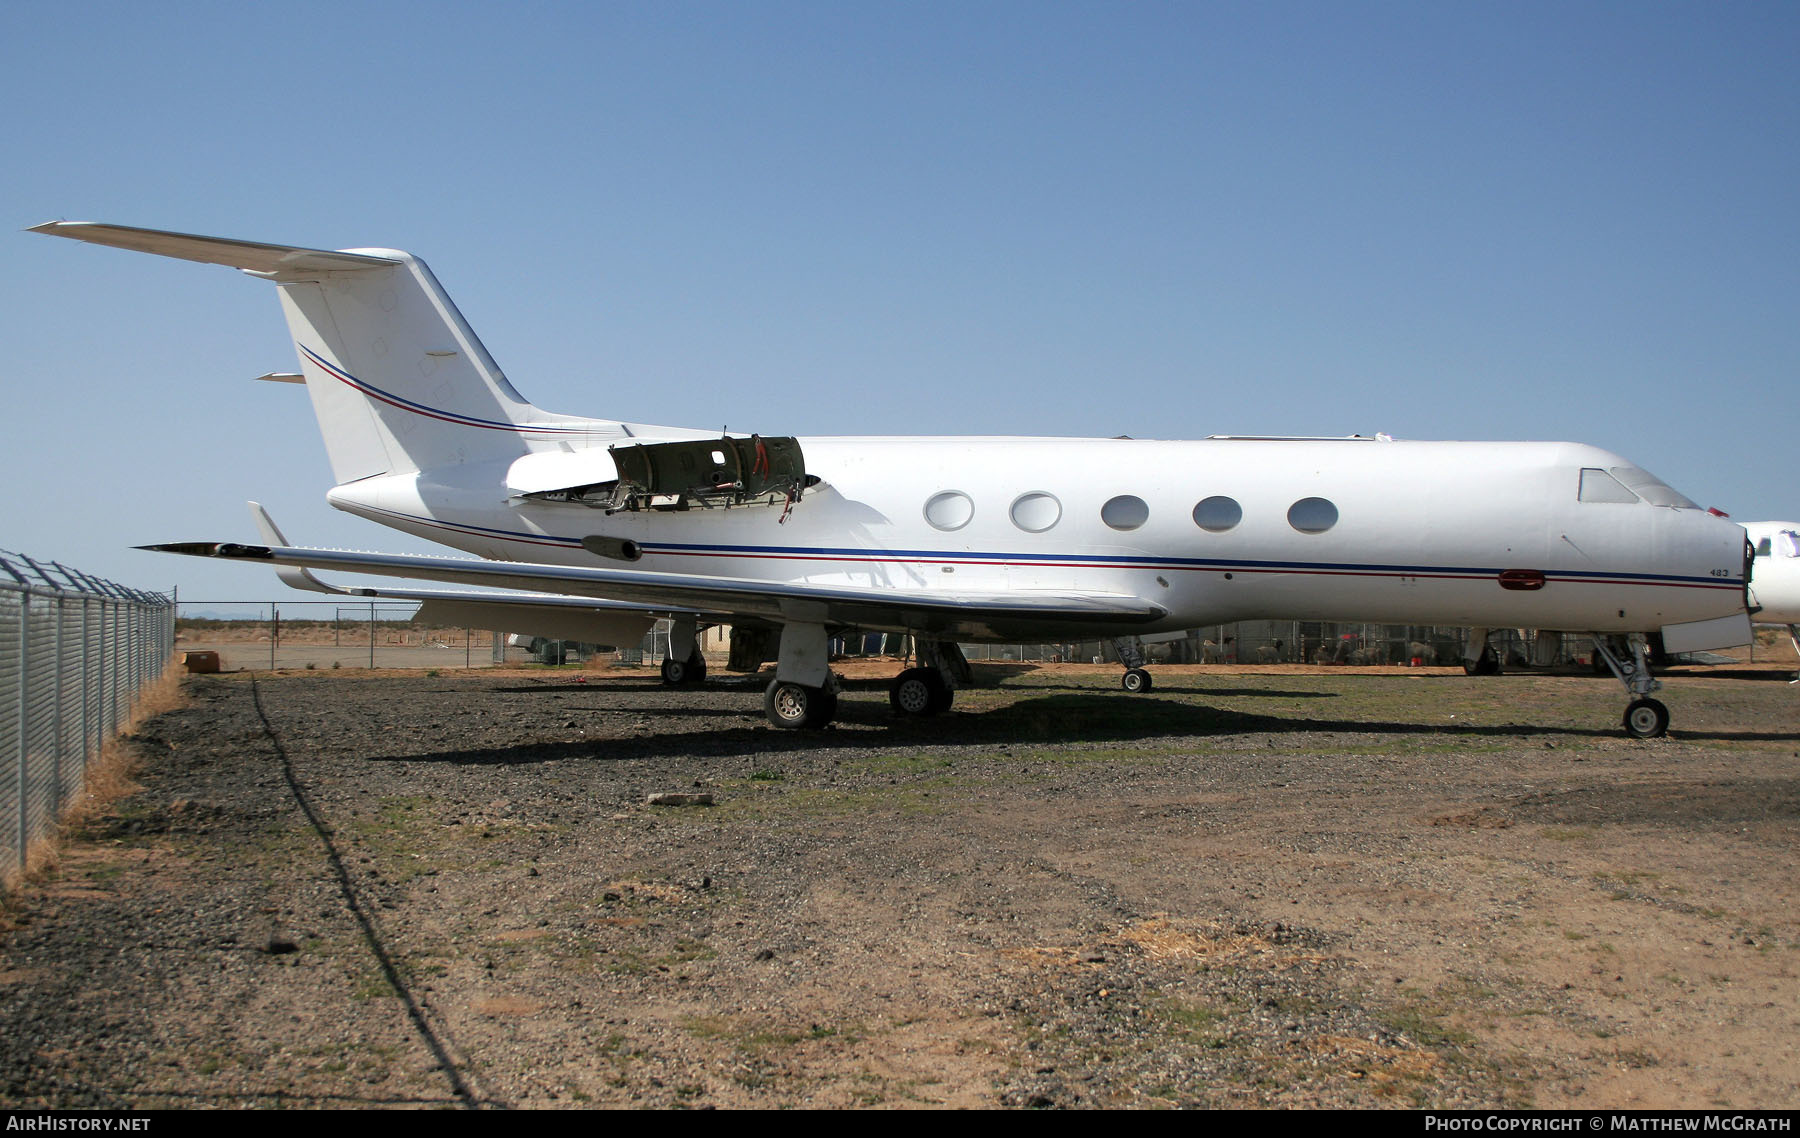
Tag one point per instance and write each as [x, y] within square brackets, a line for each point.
[1645, 718]
[1131, 654]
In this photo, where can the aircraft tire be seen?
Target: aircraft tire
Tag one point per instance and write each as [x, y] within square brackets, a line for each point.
[918, 691]
[1136, 680]
[792, 706]
[942, 698]
[1646, 719]
[680, 673]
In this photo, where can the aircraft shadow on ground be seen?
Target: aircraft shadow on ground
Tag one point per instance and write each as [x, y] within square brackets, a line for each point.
[1732, 802]
[1164, 687]
[863, 724]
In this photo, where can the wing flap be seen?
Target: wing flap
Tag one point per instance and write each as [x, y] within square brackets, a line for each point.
[586, 623]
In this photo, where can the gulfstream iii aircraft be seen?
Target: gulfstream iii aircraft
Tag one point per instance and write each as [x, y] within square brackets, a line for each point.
[607, 526]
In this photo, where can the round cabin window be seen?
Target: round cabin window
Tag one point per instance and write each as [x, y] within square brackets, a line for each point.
[1036, 512]
[1312, 515]
[1126, 512]
[1218, 514]
[949, 510]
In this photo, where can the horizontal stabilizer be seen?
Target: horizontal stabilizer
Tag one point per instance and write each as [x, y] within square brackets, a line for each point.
[251, 256]
[538, 614]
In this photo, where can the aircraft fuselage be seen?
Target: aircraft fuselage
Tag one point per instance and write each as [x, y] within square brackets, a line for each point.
[1404, 532]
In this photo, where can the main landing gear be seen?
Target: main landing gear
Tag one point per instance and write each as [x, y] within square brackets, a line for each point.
[930, 688]
[1484, 661]
[1131, 654]
[792, 705]
[1486, 664]
[1628, 659]
[684, 664]
[919, 691]
[804, 693]
[681, 673]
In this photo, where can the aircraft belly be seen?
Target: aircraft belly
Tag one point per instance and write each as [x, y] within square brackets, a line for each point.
[1584, 604]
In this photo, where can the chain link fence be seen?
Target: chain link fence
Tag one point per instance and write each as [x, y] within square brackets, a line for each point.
[255, 635]
[75, 651]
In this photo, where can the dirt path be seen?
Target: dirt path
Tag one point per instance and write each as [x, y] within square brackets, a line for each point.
[1274, 890]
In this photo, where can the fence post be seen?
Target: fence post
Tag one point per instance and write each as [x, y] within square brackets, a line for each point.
[24, 838]
[135, 657]
[87, 681]
[56, 701]
[109, 667]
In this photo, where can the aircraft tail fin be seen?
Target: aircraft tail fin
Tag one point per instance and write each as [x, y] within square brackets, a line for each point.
[398, 380]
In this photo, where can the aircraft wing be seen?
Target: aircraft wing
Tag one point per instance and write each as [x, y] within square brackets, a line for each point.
[944, 614]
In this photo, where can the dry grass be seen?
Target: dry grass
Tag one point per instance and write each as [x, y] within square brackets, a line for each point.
[110, 777]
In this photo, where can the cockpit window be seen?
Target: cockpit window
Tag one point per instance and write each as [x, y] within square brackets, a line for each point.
[1599, 486]
[1652, 489]
[1762, 547]
[1787, 543]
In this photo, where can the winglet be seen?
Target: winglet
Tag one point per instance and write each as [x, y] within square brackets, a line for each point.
[292, 577]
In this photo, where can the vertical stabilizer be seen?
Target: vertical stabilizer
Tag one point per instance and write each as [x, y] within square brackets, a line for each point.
[398, 380]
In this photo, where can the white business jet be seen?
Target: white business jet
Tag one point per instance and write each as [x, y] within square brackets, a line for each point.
[1775, 597]
[611, 525]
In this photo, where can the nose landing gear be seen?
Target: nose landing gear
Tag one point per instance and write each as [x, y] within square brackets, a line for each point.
[1131, 654]
[1645, 718]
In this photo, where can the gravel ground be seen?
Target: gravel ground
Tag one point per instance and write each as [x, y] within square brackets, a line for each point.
[1303, 889]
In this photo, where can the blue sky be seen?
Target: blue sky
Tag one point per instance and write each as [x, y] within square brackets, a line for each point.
[1469, 220]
